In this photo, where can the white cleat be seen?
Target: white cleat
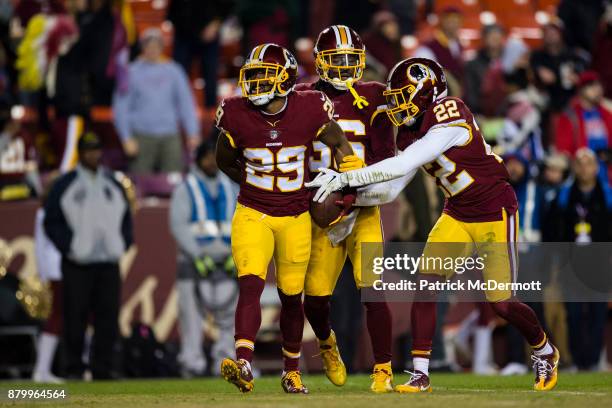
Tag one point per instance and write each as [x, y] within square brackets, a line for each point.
[486, 369]
[514, 369]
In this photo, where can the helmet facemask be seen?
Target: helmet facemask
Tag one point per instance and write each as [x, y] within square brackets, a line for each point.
[260, 82]
[401, 109]
[341, 67]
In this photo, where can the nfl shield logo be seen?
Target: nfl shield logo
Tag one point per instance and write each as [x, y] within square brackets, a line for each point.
[274, 134]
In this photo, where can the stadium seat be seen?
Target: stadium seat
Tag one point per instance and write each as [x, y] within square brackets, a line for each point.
[518, 17]
[548, 5]
[148, 13]
[525, 27]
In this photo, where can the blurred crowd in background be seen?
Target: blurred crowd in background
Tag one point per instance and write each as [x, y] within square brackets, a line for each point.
[145, 77]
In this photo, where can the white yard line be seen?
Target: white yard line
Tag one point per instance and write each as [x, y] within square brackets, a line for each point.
[563, 392]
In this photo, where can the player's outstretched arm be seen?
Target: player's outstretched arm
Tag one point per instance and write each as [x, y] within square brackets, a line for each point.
[332, 135]
[227, 158]
[383, 193]
[433, 144]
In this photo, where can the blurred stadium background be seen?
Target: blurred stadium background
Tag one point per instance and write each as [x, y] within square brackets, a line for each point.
[521, 65]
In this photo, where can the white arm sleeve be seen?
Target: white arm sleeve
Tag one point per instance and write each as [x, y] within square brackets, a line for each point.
[383, 193]
[435, 142]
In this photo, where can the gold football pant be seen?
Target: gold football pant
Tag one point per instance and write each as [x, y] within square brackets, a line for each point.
[258, 238]
[327, 261]
[494, 241]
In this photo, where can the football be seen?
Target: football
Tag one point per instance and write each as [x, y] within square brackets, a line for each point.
[326, 212]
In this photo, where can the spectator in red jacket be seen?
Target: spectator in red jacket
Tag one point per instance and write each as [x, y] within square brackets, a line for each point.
[586, 123]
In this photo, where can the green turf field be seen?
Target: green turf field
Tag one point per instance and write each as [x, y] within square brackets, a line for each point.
[450, 391]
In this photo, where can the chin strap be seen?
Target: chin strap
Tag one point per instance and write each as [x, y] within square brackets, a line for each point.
[360, 101]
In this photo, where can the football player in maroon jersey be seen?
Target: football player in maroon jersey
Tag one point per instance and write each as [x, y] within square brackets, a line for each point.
[264, 146]
[19, 178]
[340, 61]
[440, 134]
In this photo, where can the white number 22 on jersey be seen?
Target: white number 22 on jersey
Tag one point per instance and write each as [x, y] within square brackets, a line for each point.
[446, 170]
[260, 162]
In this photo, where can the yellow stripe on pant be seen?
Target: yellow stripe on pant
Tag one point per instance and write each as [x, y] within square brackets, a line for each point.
[73, 133]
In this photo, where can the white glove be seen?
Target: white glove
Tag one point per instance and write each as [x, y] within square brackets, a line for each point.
[328, 181]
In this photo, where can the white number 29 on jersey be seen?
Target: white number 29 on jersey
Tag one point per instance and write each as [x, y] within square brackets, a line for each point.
[260, 162]
[319, 148]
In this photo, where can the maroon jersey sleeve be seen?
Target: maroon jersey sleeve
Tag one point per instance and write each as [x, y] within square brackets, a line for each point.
[446, 112]
[405, 137]
[226, 116]
[382, 143]
[316, 107]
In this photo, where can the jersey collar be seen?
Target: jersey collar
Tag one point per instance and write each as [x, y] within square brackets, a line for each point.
[280, 111]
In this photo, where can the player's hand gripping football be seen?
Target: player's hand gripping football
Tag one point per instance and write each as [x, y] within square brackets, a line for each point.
[327, 181]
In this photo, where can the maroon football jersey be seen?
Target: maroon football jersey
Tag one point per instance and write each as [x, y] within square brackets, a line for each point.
[473, 178]
[275, 149]
[368, 130]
